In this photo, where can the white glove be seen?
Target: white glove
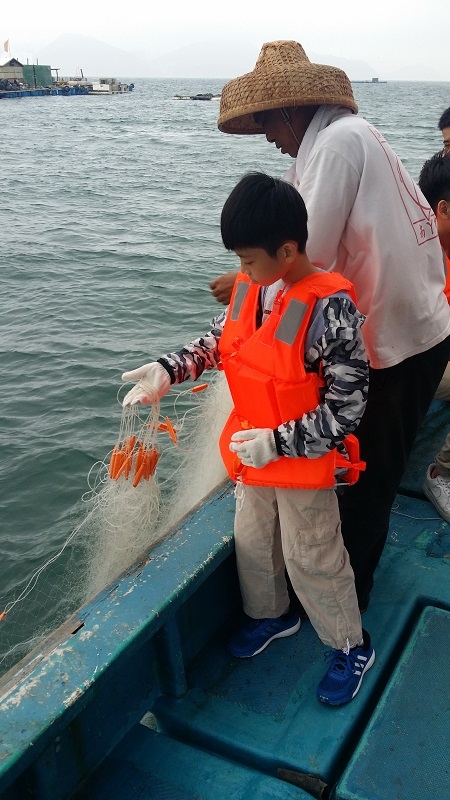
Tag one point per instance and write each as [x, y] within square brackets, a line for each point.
[153, 383]
[255, 447]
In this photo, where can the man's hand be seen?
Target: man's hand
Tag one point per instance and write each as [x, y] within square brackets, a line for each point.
[255, 447]
[222, 287]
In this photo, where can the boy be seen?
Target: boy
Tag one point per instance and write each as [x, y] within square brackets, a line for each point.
[291, 347]
[435, 184]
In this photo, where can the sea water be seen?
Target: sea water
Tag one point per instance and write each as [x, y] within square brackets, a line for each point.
[110, 235]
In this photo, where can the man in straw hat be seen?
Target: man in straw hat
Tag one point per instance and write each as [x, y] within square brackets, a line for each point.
[368, 220]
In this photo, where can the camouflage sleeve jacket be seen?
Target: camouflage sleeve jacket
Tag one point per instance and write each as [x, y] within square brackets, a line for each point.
[334, 345]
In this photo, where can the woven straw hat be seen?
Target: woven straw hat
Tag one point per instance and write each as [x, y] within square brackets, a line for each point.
[283, 77]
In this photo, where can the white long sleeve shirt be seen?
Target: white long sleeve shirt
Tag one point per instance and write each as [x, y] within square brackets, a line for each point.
[368, 220]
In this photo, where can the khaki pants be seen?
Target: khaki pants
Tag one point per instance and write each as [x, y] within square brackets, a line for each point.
[299, 529]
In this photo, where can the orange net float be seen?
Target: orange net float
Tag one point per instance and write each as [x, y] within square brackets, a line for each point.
[147, 465]
[125, 466]
[120, 461]
[117, 464]
[113, 463]
[136, 457]
[167, 427]
[128, 444]
[2, 616]
[171, 431]
[152, 461]
[139, 473]
[139, 456]
[200, 388]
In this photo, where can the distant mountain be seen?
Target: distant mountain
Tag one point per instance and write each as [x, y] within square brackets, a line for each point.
[70, 53]
[356, 70]
[416, 72]
[207, 59]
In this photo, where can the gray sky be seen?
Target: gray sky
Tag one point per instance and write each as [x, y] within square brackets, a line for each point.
[403, 40]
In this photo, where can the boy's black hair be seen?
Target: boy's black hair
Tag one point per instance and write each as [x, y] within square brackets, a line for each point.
[263, 212]
[434, 179]
[444, 120]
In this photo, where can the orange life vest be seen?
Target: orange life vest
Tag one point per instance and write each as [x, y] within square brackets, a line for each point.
[265, 370]
[447, 277]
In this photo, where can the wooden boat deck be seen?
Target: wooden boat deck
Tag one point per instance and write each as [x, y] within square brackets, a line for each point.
[138, 698]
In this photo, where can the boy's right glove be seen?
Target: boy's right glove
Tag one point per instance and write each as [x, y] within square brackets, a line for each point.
[153, 383]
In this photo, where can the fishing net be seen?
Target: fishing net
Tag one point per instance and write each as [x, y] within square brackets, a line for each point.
[161, 466]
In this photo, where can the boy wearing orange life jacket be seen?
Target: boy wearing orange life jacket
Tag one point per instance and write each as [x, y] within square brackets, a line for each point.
[435, 184]
[291, 347]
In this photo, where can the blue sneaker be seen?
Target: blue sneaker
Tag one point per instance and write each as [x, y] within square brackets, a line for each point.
[344, 675]
[254, 637]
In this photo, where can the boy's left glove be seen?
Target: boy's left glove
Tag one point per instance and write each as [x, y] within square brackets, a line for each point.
[255, 447]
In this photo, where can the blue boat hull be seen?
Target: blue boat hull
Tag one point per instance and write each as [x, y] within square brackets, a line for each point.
[137, 697]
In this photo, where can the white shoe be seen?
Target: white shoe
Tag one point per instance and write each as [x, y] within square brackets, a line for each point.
[438, 492]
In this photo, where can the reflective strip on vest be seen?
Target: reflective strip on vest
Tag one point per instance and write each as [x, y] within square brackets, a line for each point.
[239, 297]
[290, 322]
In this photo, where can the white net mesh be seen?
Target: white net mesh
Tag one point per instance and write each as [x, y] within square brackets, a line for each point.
[159, 468]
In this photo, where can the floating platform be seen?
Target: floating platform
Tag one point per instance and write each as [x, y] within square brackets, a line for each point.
[373, 81]
[66, 90]
[207, 96]
[6, 94]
